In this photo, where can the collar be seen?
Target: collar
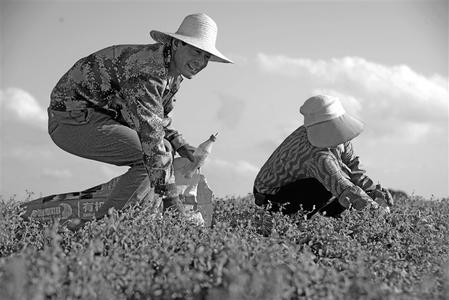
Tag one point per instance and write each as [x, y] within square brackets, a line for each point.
[167, 52]
[167, 56]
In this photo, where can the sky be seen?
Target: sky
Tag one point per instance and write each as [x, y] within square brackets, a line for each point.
[387, 61]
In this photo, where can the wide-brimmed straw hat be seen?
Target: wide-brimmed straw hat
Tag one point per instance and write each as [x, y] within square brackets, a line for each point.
[327, 122]
[198, 30]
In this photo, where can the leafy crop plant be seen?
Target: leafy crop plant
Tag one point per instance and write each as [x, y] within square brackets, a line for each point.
[247, 254]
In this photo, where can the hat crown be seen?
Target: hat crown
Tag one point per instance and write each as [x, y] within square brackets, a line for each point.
[199, 26]
[198, 30]
[321, 108]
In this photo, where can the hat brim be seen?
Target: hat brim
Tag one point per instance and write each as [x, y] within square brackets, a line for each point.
[165, 37]
[333, 132]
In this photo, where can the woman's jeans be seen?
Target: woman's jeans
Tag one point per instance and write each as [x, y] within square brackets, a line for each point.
[94, 135]
[307, 194]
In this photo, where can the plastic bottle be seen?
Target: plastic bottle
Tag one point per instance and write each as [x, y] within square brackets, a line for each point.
[201, 153]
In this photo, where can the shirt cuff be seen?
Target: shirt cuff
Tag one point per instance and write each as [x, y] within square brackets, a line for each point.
[178, 142]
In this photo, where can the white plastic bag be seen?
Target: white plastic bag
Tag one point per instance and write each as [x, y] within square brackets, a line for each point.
[194, 192]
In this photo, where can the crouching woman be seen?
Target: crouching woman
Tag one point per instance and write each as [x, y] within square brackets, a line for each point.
[315, 167]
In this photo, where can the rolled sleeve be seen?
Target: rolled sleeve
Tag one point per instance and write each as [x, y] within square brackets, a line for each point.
[175, 138]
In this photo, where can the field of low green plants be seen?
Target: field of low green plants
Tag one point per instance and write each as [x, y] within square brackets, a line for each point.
[247, 254]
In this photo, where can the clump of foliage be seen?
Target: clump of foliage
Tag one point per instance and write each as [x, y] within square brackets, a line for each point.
[247, 254]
